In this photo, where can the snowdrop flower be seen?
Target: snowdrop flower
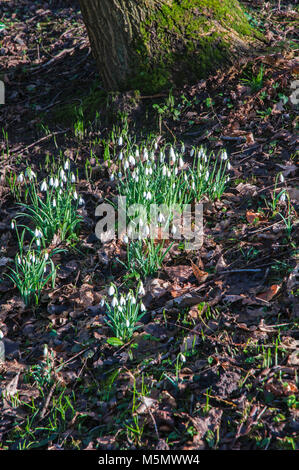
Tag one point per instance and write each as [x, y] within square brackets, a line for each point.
[126, 165]
[45, 352]
[120, 156]
[13, 225]
[114, 302]
[38, 233]
[176, 170]
[161, 218]
[30, 173]
[282, 197]
[224, 155]
[148, 196]
[207, 176]
[81, 201]
[127, 323]
[132, 160]
[183, 359]
[183, 148]
[172, 155]
[146, 171]
[122, 300]
[67, 165]
[146, 231]
[185, 177]
[137, 154]
[120, 140]
[46, 256]
[164, 171]
[37, 242]
[142, 307]
[32, 258]
[133, 300]
[73, 178]
[62, 173]
[125, 239]
[56, 183]
[61, 185]
[173, 230]
[102, 303]
[44, 186]
[64, 179]
[173, 185]
[111, 290]
[51, 182]
[281, 178]
[229, 167]
[156, 145]
[193, 186]
[162, 156]
[75, 195]
[20, 178]
[119, 174]
[111, 177]
[60, 192]
[192, 152]
[45, 269]
[54, 202]
[145, 154]
[181, 162]
[19, 260]
[141, 290]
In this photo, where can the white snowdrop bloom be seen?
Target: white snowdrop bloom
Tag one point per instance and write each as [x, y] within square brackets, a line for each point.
[120, 140]
[46, 256]
[137, 178]
[145, 154]
[19, 260]
[281, 178]
[146, 231]
[164, 171]
[73, 178]
[111, 290]
[173, 230]
[20, 178]
[148, 196]
[146, 171]
[81, 201]
[147, 183]
[126, 165]
[185, 177]
[137, 154]
[45, 269]
[132, 160]
[162, 156]
[111, 177]
[141, 290]
[133, 300]
[75, 195]
[224, 155]
[192, 152]
[60, 192]
[156, 145]
[176, 170]
[64, 179]
[102, 302]
[193, 186]
[67, 165]
[12, 224]
[183, 148]
[181, 162]
[61, 185]
[282, 197]
[229, 167]
[119, 174]
[127, 323]
[120, 156]
[142, 307]
[183, 359]
[38, 233]
[168, 173]
[32, 258]
[54, 202]
[150, 171]
[207, 176]
[37, 242]
[56, 183]
[44, 186]
[122, 300]
[161, 218]
[114, 302]
[172, 155]
[62, 173]
[30, 173]
[173, 185]
[152, 156]
[45, 352]
[51, 182]
[125, 239]
[227, 179]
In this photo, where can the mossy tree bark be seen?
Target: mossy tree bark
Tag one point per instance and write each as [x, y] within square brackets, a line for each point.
[152, 44]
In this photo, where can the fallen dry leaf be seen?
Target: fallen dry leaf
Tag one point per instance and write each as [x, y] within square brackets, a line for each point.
[269, 294]
[200, 275]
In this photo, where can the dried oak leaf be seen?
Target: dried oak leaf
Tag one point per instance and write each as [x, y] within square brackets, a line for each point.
[200, 275]
[269, 293]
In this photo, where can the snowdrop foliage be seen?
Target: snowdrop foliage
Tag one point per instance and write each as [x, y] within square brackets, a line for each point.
[124, 311]
[53, 204]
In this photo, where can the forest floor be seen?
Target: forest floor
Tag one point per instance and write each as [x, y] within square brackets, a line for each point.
[214, 364]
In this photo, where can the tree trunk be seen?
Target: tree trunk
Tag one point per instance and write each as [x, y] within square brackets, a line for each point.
[153, 44]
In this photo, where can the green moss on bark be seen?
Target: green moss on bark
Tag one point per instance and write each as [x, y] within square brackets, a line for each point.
[184, 40]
